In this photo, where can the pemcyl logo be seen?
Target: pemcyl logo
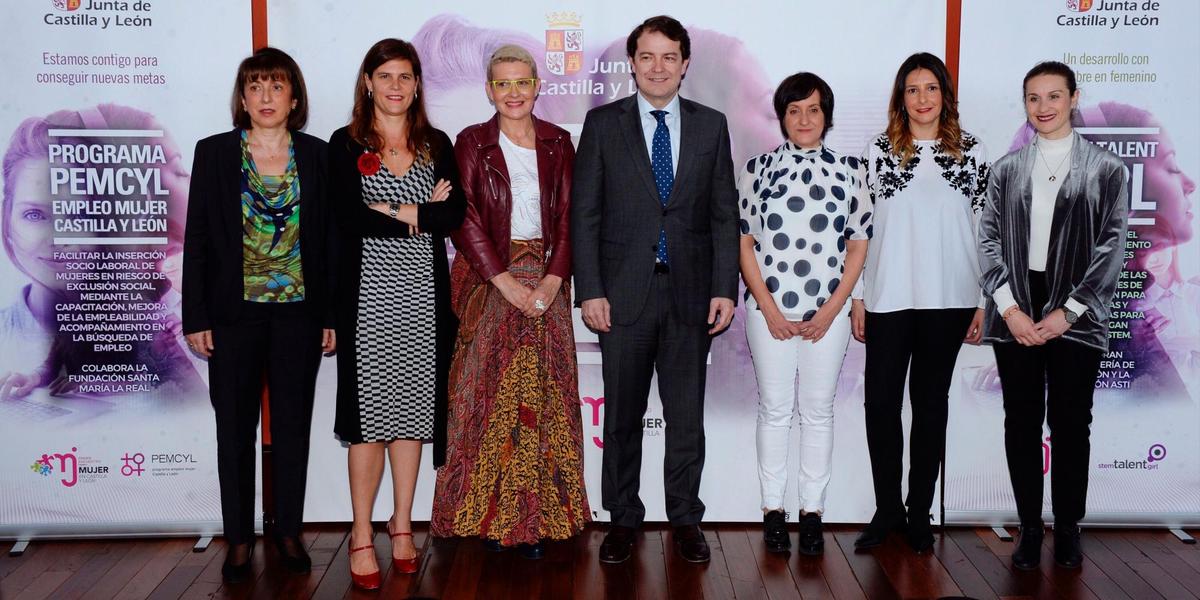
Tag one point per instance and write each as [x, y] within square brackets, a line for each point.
[132, 465]
[1079, 5]
[67, 5]
[564, 43]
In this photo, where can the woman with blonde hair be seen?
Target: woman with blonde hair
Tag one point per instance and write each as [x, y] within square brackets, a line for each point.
[514, 474]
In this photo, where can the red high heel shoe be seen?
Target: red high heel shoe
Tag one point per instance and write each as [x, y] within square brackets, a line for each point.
[370, 581]
[407, 566]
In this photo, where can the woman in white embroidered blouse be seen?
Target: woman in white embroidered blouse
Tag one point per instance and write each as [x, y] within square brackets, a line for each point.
[920, 298]
[805, 224]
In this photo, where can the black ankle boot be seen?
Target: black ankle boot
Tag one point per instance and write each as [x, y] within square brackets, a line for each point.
[1028, 555]
[919, 535]
[879, 528]
[775, 533]
[812, 543]
[1068, 553]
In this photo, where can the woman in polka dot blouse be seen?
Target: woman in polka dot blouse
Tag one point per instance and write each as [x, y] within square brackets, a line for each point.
[920, 297]
[805, 223]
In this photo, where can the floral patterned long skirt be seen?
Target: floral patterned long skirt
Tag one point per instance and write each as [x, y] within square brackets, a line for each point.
[514, 455]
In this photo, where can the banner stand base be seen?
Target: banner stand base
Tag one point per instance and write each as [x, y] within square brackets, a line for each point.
[202, 543]
[1003, 534]
[1183, 536]
[20, 546]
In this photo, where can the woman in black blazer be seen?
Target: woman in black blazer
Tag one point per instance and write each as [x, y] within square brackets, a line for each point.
[255, 290]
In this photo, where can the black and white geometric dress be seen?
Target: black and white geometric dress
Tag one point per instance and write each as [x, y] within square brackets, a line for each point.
[394, 334]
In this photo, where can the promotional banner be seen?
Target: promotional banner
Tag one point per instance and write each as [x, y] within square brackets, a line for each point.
[105, 423]
[738, 58]
[1138, 80]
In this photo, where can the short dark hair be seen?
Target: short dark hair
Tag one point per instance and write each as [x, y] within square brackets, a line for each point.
[798, 87]
[1051, 67]
[668, 26]
[270, 64]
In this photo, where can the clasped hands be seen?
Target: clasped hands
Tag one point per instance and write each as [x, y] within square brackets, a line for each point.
[531, 302]
[811, 330]
[1028, 333]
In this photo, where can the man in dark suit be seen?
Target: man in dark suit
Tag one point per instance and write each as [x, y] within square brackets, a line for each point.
[654, 235]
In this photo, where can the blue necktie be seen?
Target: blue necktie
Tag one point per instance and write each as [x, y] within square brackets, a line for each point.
[664, 175]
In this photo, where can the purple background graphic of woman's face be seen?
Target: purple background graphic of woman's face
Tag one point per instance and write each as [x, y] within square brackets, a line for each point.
[28, 226]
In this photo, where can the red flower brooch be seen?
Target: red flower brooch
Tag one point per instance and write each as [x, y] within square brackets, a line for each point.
[368, 163]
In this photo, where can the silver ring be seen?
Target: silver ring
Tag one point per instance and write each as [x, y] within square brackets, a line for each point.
[538, 304]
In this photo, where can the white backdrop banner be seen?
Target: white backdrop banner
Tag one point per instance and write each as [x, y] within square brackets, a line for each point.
[738, 57]
[1138, 76]
[105, 424]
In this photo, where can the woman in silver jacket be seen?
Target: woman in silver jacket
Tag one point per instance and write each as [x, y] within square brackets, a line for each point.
[1052, 239]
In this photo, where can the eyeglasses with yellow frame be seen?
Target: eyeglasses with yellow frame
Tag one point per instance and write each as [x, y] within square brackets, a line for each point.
[503, 86]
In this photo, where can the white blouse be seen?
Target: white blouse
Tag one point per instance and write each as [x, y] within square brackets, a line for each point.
[526, 219]
[801, 206]
[922, 254]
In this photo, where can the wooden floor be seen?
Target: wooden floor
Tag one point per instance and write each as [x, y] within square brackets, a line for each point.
[1135, 564]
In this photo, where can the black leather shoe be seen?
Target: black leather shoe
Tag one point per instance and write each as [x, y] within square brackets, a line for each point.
[532, 551]
[1068, 553]
[1028, 555]
[233, 572]
[690, 543]
[775, 533]
[618, 545]
[920, 538]
[812, 543]
[292, 553]
[878, 529]
[493, 545]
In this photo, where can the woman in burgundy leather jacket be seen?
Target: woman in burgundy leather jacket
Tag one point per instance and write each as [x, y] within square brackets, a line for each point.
[514, 469]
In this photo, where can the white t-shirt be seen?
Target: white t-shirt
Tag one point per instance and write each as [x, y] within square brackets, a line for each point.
[526, 219]
[801, 206]
[922, 254]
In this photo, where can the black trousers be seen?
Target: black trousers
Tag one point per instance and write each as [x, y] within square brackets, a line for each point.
[283, 341]
[1053, 382]
[658, 341]
[922, 346]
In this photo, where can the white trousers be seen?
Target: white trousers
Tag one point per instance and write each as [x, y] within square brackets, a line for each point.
[778, 364]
